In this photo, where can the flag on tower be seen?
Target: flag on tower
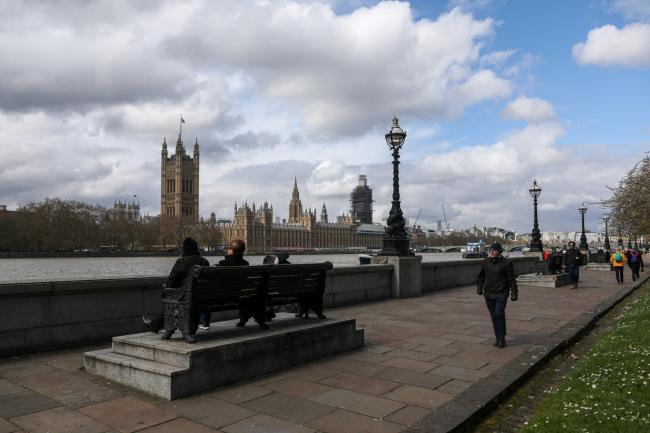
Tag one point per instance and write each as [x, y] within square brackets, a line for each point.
[182, 120]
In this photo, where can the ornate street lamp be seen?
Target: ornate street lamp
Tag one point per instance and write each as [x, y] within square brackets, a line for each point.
[583, 237]
[606, 220]
[396, 241]
[536, 242]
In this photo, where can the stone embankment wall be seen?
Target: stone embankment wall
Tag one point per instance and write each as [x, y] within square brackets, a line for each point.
[50, 315]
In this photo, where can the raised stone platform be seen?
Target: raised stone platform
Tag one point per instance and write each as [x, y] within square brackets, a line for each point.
[173, 368]
[604, 267]
[538, 280]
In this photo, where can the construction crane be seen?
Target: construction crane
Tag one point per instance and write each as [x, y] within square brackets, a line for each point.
[445, 216]
[417, 218]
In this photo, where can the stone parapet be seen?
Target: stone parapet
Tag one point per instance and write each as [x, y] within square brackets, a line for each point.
[40, 316]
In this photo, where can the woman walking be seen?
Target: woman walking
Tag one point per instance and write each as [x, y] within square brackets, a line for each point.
[618, 261]
[635, 263]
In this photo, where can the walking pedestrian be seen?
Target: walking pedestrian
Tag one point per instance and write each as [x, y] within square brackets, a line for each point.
[635, 262]
[572, 262]
[495, 282]
[618, 261]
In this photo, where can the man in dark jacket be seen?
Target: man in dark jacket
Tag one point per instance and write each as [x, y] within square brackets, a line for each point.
[234, 257]
[572, 262]
[179, 272]
[495, 282]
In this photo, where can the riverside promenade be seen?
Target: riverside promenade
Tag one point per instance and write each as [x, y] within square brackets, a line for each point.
[428, 366]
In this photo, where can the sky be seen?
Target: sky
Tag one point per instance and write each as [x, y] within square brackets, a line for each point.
[491, 93]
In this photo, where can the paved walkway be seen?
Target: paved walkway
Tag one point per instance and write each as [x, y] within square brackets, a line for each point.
[420, 353]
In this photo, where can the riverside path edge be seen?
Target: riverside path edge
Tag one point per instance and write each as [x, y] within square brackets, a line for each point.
[478, 400]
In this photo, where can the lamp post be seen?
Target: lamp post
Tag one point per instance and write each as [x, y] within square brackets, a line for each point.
[606, 220]
[396, 241]
[583, 237]
[536, 242]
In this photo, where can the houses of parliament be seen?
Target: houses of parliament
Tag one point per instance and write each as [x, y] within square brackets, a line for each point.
[304, 230]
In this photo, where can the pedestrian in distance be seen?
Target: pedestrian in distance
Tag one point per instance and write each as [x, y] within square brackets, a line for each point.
[618, 260]
[496, 281]
[191, 257]
[635, 262]
[572, 262]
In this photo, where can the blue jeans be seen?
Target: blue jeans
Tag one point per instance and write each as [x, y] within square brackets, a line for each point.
[574, 274]
[497, 308]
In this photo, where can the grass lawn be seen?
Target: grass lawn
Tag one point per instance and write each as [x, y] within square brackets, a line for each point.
[609, 389]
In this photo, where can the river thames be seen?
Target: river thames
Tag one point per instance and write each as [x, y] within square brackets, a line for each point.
[87, 268]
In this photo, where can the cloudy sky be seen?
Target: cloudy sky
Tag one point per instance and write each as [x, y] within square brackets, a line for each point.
[491, 93]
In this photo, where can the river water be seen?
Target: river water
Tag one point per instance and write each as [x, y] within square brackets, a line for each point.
[87, 268]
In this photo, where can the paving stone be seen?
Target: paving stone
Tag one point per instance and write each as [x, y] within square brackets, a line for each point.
[22, 403]
[265, 424]
[342, 421]
[425, 380]
[314, 372]
[412, 354]
[410, 364]
[208, 410]
[437, 349]
[408, 415]
[455, 386]
[417, 396]
[179, 425]
[70, 362]
[473, 364]
[361, 403]
[342, 365]
[240, 394]
[7, 387]
[363, 384]
[376, 348]
[433, 341]
[7, 427]
[298, 387]
[17, 371]
[127, 414]
[68, 388]
[285, 407]
[457, 373]
[60, 420]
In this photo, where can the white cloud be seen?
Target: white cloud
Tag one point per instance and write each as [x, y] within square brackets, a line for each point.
[609, 46]
[528, 109]
[633, 9]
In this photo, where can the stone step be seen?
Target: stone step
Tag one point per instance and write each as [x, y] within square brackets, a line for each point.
[139, 346]
[173, 368]
[148, 376]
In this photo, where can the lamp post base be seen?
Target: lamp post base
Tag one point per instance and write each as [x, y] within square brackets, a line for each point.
[395, 246]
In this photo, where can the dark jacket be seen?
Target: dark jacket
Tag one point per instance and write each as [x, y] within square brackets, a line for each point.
[497, 278]
[572, 258]
[639, 262]
[233, 260]
[182, 268]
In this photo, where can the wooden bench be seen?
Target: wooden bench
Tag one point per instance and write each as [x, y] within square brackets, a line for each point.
[249, 289]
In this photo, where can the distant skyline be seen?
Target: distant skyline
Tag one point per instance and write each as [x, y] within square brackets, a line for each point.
[491, 93]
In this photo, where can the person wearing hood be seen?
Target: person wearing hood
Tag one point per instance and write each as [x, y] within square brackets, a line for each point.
[635, 262]
[496, 281]
[191, 257]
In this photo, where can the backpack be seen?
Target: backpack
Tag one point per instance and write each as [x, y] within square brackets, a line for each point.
[618, 257]
[634, 258]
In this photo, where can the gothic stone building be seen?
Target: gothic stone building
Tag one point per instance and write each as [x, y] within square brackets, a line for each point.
[302, 230]
[179, 184]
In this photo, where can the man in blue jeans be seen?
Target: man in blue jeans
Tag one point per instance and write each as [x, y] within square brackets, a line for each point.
[496, 281]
